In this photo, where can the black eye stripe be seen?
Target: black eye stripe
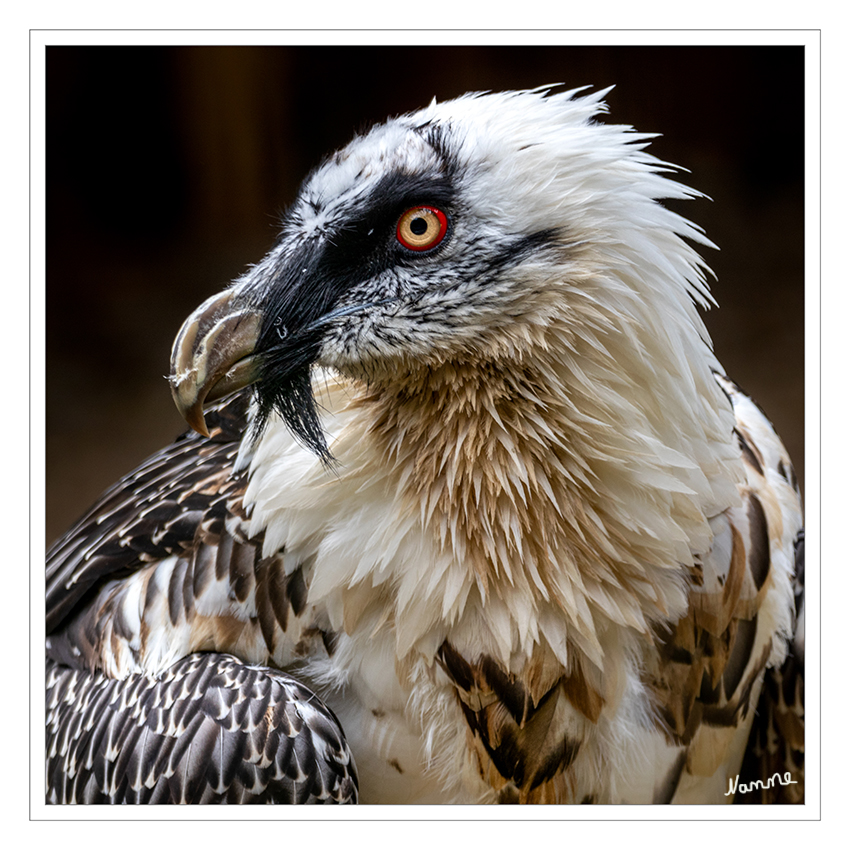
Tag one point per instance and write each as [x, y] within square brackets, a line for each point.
[360, 244]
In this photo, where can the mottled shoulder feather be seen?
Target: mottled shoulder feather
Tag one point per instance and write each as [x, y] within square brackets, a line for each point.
[740, 619]
[152, 513]
[776, 750]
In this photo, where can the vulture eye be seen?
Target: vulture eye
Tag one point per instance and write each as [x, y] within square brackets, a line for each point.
[421, 228]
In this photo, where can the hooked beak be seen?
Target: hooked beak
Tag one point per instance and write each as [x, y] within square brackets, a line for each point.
[213, 355]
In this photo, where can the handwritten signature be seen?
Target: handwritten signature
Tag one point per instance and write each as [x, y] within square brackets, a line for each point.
[757, 783]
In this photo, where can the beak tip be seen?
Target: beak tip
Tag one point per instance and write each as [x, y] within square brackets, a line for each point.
[198, 423]
[191, 407]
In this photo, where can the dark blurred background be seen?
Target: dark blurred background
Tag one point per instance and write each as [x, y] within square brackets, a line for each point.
[167, 168]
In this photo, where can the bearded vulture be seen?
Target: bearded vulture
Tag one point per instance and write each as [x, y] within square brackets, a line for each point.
[473, 514]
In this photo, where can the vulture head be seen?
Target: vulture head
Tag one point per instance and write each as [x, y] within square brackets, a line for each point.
[496, 234]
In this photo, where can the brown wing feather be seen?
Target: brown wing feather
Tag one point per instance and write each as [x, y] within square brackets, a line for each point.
[206, 730]
[153, 512]
[178, 527]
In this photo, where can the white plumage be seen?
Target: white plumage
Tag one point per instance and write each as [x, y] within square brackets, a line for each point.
[531, 545]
